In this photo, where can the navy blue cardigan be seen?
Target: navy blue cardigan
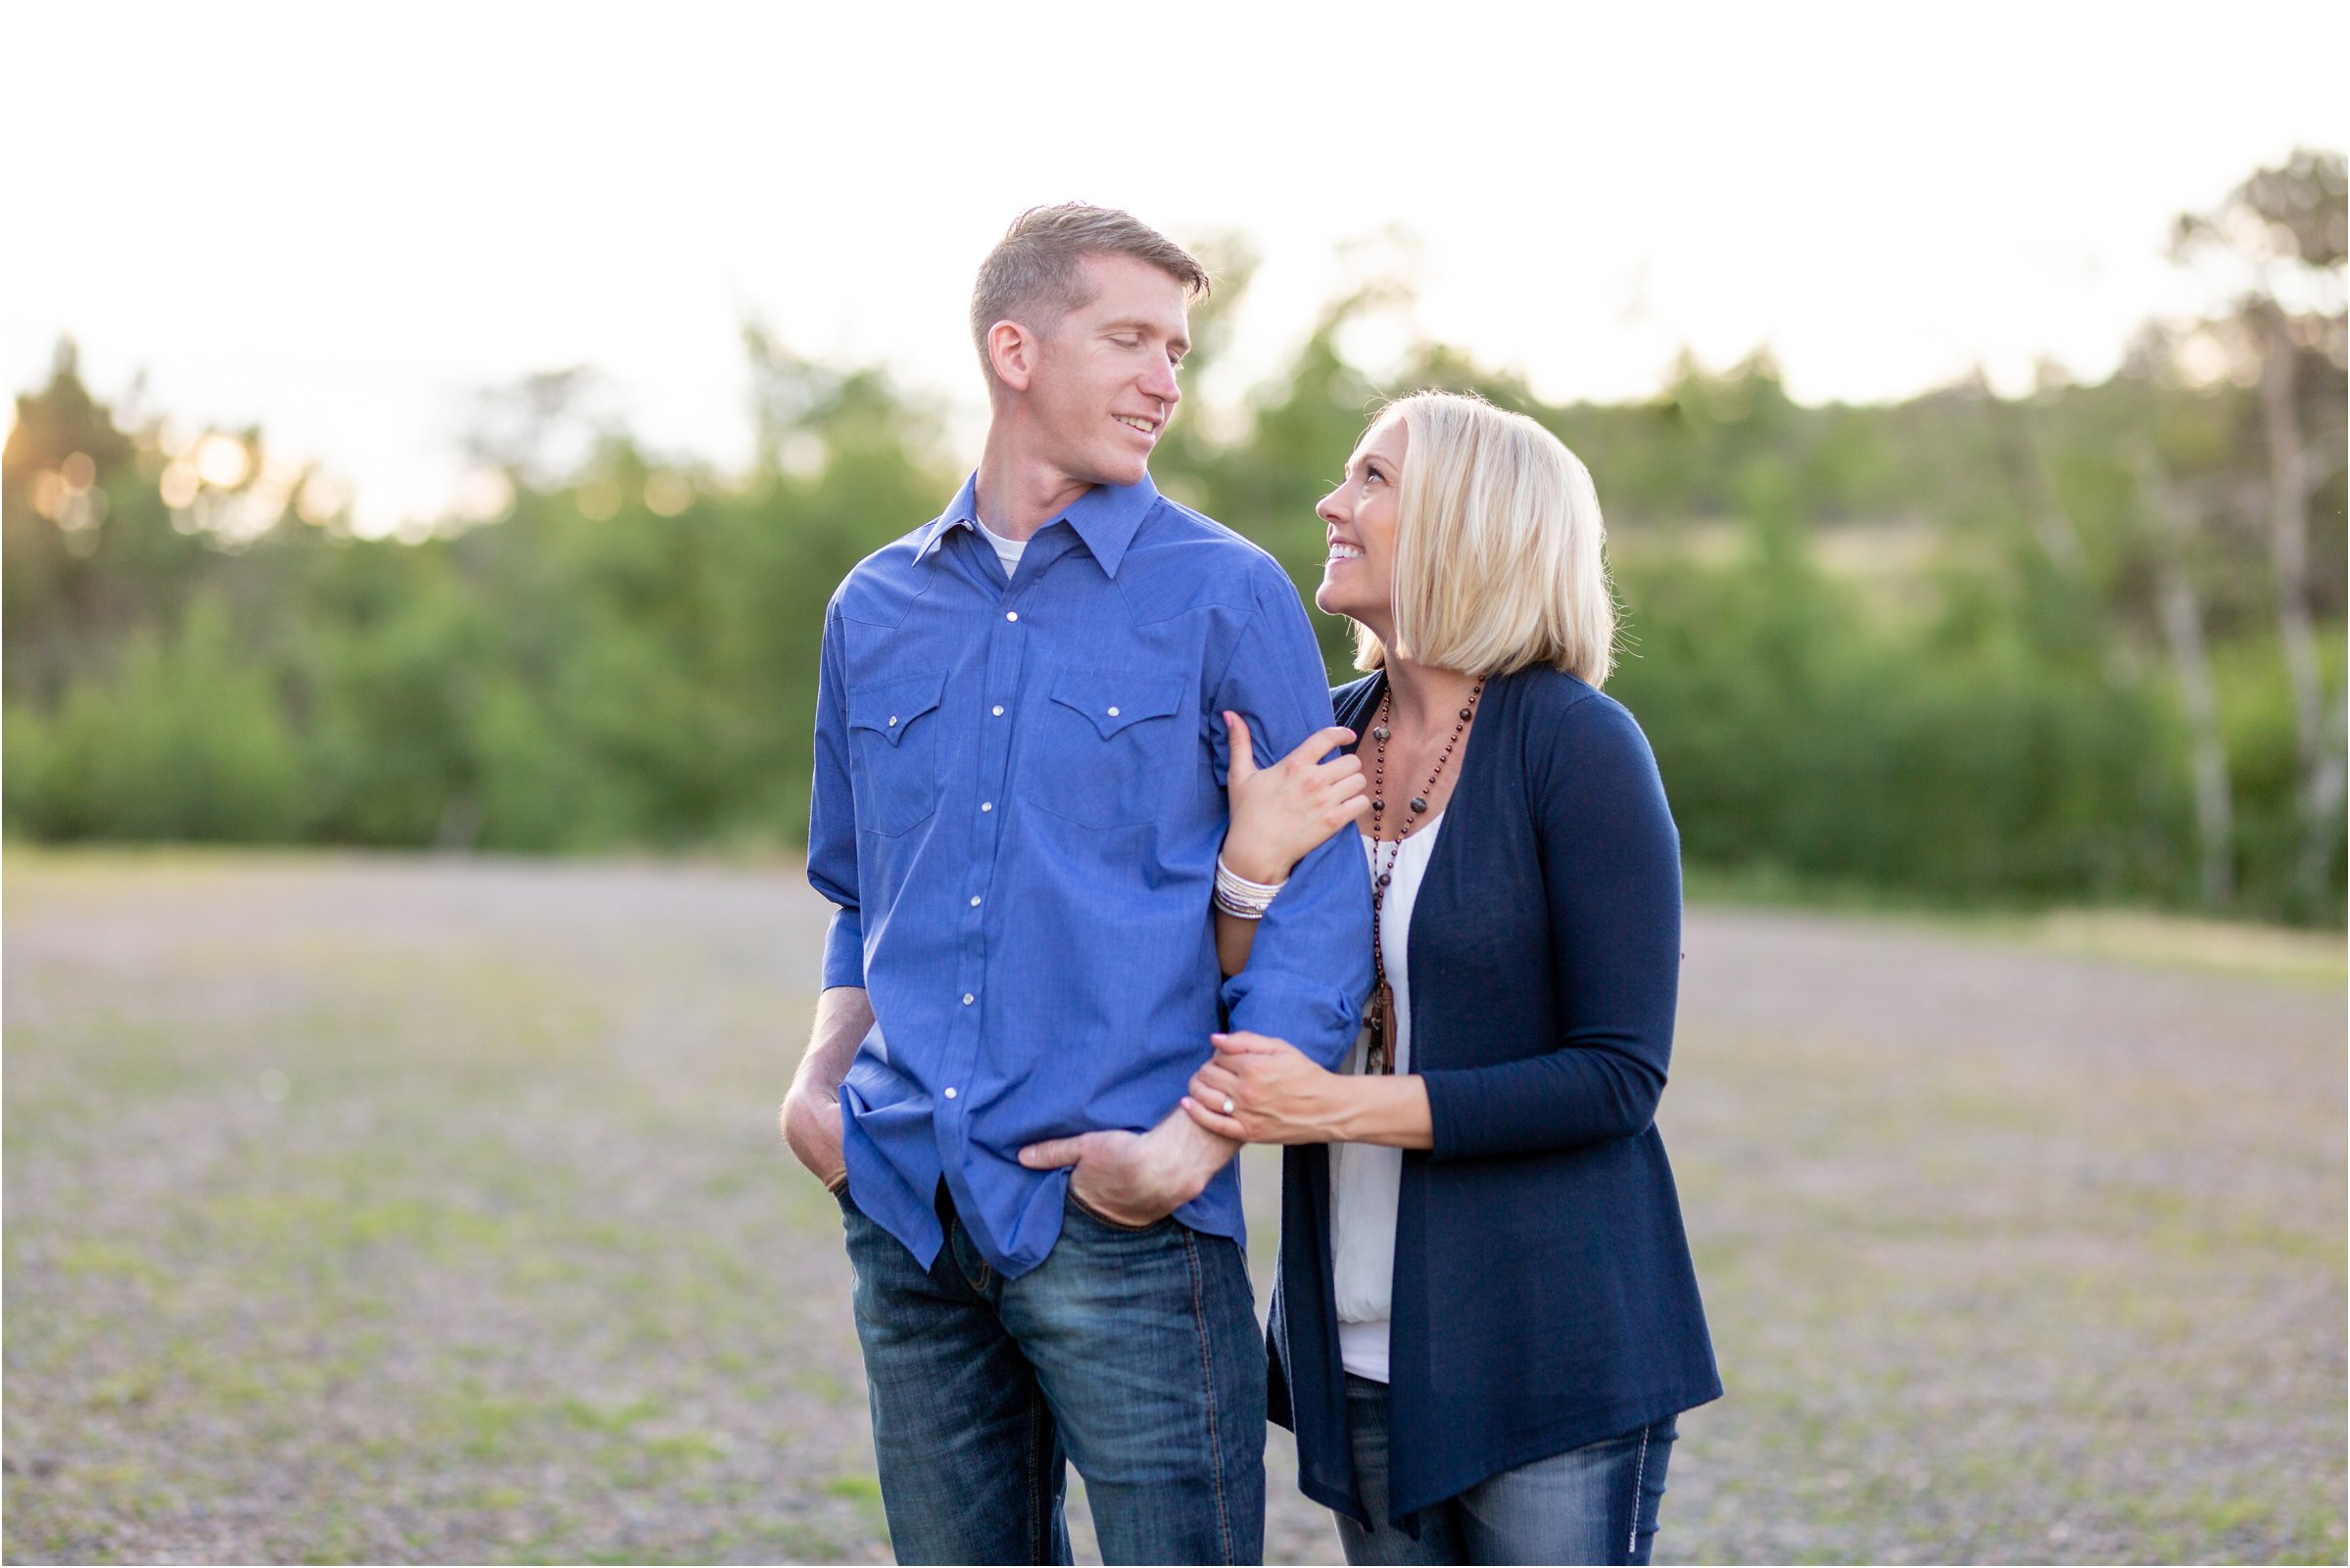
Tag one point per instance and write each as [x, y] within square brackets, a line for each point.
[1544, 1295]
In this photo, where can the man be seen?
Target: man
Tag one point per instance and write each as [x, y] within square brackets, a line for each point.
[1019, 798]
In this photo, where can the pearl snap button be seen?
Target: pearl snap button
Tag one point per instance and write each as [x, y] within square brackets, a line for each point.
[894, 721]
[1112, 714]
[1011, 615]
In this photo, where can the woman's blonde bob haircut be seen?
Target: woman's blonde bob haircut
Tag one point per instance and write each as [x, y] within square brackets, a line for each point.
[1498, 562]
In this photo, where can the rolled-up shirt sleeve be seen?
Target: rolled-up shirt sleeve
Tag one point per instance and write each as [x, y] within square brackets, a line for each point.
[1309, 967]
[833, 820]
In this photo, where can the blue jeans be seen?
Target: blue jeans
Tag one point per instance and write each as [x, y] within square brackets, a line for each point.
[1133, 1354]
[1596, 1503]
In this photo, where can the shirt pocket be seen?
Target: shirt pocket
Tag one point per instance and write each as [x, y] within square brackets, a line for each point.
[894, 756]
[1106, 744]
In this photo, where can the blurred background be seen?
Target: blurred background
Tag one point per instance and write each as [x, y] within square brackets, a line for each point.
[421, 445]
[443, 432]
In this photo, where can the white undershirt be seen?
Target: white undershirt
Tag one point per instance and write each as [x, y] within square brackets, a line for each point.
[1007, 551]
[1364, 1177]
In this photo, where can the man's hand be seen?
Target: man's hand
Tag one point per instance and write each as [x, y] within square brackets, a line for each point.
[811, 1125]
[811, 1113]
[1136, 1178]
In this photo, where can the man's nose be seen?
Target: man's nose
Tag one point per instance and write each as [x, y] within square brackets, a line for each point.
[1161, 384]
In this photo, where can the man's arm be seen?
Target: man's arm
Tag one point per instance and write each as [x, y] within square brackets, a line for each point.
[1311, 965]
[1309, 968]
[811, 1113]
[811, 1110]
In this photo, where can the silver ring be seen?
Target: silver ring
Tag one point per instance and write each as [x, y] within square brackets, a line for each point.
[1228, 1107]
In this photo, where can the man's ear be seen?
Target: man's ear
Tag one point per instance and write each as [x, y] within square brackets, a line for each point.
[1012, 352]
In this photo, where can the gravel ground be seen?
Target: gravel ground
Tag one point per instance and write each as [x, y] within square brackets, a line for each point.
[409, 1210]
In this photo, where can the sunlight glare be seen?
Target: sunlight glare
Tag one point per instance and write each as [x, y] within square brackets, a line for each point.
[222, 461]
[599, 499]
[179, 484]
[667, 495]
[485, 496]
[321, 499]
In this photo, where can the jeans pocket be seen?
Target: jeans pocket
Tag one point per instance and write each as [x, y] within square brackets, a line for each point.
[1117, 1226]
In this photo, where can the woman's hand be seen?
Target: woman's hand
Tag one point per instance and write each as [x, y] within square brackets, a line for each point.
[1281, 812]
[1277, 1094]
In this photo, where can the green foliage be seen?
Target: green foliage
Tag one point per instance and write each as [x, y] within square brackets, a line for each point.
[2257, 714]
[185, 741]
[1913, 647]
[1795, 737]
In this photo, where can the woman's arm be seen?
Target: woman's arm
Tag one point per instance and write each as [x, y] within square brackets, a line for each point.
[1234, 938]
[1612, 880]
[1279, 1095]
[1279, 814]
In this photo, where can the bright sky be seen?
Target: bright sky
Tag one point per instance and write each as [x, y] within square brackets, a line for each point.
[339, 221]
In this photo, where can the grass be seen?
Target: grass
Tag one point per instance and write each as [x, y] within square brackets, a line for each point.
[2155, 937]
[406, 1210]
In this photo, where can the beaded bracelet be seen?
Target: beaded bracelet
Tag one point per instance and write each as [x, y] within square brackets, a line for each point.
[1239, 897]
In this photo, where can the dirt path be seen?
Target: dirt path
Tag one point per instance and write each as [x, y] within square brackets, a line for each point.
[400, 1210]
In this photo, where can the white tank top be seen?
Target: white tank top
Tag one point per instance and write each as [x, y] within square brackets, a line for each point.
[1364, 1177]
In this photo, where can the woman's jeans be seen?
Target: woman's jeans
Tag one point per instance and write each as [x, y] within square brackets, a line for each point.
[1596, 1503]
[1133, 1354]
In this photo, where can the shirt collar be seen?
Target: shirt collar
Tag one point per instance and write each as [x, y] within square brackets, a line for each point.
[1105, 518]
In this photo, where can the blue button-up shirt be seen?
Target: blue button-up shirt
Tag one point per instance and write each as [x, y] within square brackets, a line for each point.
[1019, 801]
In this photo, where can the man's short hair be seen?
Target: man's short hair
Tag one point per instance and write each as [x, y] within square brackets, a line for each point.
[1500, 557]
[1036, 274]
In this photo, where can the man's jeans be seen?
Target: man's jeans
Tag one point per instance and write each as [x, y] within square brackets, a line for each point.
[1596, 1504]
[1132, 1353]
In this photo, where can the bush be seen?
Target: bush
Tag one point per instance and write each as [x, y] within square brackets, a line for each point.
[186, 742]
[1795, 733]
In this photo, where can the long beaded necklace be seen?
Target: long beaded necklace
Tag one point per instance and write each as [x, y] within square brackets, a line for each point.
[1380, 1021]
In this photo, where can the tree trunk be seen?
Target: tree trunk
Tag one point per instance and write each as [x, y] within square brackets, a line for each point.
[2320, 778]
[2183, 633]
[2051, 525]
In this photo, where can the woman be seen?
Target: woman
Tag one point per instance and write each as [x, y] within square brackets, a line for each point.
[1486, 1319]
